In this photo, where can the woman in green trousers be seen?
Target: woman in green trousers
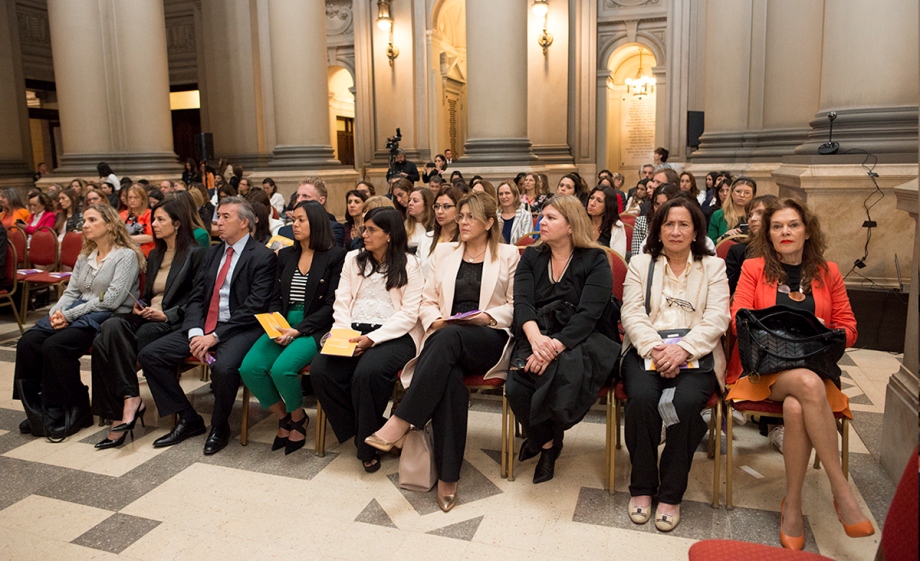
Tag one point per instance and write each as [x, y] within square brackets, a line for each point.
[308, 274]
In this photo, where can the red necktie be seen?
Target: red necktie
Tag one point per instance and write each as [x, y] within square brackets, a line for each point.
[214, 307]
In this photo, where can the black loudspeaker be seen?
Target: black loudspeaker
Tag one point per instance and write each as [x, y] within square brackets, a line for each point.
[204, 146]
[694, 128]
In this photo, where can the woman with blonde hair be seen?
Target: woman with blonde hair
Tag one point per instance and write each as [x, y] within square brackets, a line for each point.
[474, 277]
[419, 216]
[104, 282]
[95, 197]
[534, 192]
[137, 217]
[561, 287]
[726, 221]
[514, 218]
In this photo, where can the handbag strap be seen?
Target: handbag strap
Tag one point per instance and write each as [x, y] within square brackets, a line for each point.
[648, 287]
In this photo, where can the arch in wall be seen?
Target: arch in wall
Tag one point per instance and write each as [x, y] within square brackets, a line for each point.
[626, 124]
[448, 65]
[342, 113]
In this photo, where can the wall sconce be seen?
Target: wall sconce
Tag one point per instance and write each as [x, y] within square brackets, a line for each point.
[385, 23]
[541, 9]
[640, 86]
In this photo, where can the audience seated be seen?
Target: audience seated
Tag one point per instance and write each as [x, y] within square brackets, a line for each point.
[400, 188]
[314, 189]
[739, 252]
[661, 194]
[12, 208]
[534, 192]
[307, 276]
[419, 218]
[354, 215]
[171, 270]
[727, 220]
[513, 217]
[445, 224]
[69, 217]
[188, 200]
[137, 217]
[378, 296]
[791, 270]
[236, 281]
[474, 274]
[43, 216]
[562, 286]
[638, 197]
[606, 228]
[677, 284]
[104, 281]
[573, 184]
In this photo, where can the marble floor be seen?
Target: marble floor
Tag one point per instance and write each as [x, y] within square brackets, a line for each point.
[70, 501]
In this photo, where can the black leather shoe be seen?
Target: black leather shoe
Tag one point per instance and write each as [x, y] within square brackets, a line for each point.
[546, 465]
[184, 429]
[217, 440]
[527, 452]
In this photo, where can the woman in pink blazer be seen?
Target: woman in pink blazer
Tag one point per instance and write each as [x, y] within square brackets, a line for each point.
[475, 274]
[43, 216]
[378, 295]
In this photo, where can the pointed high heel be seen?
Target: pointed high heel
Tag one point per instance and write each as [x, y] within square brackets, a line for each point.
[301, 427]
[281, 441]
[138, 414]
[107, 443]
[447, 502]
[385, 445]
[859, 530]
[789, 542]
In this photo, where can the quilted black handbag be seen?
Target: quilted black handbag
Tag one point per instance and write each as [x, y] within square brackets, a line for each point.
[781, 338]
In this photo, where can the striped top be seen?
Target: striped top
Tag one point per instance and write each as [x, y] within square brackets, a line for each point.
[299, 287]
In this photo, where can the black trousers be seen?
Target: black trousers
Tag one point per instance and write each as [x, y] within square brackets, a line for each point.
[115, 350]
[52, 358]
[437, 393]
[693, 389]
[354, 391]
[161, 358]
[519, 389]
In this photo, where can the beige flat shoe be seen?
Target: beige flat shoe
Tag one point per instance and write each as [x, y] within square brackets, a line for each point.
[666, 522]
[639, 514]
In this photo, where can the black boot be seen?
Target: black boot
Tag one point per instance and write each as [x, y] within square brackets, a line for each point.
[546, 465]
[30, 393]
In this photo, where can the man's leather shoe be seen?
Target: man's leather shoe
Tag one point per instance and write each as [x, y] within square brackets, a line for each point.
[217, 440]
[184, 429]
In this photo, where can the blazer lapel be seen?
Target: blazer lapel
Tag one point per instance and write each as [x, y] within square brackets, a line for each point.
[448, 281]
[490, 271]
[317, 268]
[175, 270]
[695, 278]
[241, 262]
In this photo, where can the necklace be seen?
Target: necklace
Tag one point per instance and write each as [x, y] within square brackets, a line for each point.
[797, 296]
[474, 258]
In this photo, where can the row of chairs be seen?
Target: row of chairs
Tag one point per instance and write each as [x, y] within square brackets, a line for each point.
[42, 252]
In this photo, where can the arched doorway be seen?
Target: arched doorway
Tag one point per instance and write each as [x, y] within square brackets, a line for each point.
[448, 64]
[342, 114]
[630, 110]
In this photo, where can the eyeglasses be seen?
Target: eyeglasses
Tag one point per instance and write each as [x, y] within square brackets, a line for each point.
[680, 303]
[437, 206]
[464, 218]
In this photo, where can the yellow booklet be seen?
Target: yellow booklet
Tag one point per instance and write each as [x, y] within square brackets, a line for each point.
[278, 242]
[273, 324]
[337, 342]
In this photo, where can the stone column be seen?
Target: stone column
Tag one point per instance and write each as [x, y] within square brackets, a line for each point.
[497, 85]
[15, 146]
[300, 84]
[112, 84]
[869, 78]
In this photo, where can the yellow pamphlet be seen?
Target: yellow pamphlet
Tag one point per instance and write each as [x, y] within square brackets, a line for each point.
[337, 342]
[278, 242]
[273, 324]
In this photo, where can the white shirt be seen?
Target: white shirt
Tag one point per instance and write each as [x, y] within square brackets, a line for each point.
[223, 307]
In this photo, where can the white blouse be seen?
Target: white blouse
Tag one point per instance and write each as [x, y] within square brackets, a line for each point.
[372, 303]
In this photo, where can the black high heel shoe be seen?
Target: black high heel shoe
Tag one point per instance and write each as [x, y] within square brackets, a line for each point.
[546, 465]
[107, 442]
[281, 441]
[301, 427]
[138, 414]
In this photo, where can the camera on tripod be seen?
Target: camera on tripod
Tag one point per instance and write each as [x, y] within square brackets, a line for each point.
[393, 142]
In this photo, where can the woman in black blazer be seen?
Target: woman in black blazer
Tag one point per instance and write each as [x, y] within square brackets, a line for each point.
[171, 270]
[308, 274]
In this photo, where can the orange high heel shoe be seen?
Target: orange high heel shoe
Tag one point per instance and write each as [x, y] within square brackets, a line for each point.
[789, 542]
[859, 530]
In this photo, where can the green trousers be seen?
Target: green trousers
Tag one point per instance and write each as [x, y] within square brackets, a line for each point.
[270, 370]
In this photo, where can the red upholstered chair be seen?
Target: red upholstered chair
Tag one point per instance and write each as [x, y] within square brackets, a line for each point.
[629, 219]
[43, 253]
[527, 239]
[726, 244]
[715, 436]
[774, 409]
[71, 246]
[6, 296]
[629, 234]
[728, 550]
[618, 268]
[18, 238]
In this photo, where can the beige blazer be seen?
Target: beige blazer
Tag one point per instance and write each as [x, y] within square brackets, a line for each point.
[496, 296]
[708, 323]
[405, 300]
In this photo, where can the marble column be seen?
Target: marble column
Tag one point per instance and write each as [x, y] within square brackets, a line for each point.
[497, 85]
[869, 78]
[112, 85]
[300, 85]
[15, 146]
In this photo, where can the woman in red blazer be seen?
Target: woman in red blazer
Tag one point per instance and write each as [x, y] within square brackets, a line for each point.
[792, 272]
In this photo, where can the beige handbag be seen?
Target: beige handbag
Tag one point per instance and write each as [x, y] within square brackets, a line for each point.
[417, 469]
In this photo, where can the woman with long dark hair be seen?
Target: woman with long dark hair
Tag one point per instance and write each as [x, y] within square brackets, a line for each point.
[171, 270]
[12, 208]
[378, 296]
[573, 184]
[190, 173]
[69, 218]
[606, 228]
[474, 274]
[354, 215]
[661, 194]
[308, 275]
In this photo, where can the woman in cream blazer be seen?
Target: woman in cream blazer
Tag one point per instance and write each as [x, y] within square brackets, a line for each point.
[689, 290]
[474, 274]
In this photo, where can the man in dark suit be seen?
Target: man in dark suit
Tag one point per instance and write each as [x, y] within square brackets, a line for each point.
[236, 281]
[314, 189]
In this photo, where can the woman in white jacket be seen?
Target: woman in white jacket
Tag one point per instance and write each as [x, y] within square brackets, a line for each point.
[515, 219]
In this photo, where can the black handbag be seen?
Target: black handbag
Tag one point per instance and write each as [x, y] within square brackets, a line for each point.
[706, 362]
[780, 338]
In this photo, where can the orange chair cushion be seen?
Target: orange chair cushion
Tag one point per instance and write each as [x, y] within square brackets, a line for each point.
[728, 550]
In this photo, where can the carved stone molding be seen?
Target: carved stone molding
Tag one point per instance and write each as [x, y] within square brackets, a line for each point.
[339, 19]
[630, 3]
[181, 49]
[35, 40]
